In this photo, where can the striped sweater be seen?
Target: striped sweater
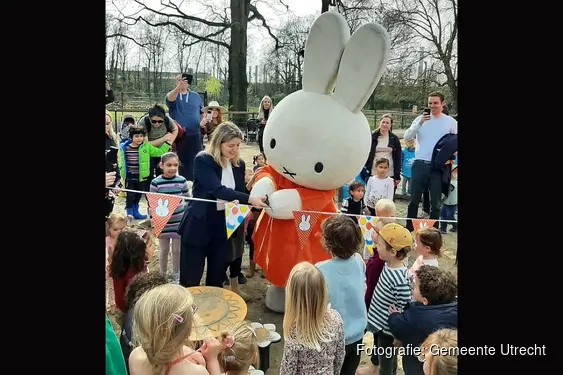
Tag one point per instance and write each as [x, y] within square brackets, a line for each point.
[393, 288]
[176, 185]
[132, 159]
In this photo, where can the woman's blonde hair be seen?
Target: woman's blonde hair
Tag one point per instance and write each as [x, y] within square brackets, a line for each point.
[261, 107]
[446, 362]
[243, 350]
[162, 323]
[111, 134]
[224, 132]
[306, 304]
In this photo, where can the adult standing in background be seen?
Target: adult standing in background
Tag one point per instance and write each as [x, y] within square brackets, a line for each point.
[426, 195]
[385, 144]
[158, 125]
[428, 129]
[185, 106]
[110, 95]
[264, 111]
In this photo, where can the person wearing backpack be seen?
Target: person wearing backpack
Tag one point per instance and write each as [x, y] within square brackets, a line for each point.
[153, 123]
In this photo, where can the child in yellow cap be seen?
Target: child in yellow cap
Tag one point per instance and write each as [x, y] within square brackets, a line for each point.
[393, 243]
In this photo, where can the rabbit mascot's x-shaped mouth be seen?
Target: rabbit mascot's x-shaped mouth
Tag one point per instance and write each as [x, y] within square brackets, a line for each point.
[288, 173]
[317, 139]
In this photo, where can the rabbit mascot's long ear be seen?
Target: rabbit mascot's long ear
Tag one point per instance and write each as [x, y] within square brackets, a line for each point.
[318, 137]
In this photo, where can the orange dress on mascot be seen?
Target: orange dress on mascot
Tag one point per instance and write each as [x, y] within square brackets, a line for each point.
[316, 140]
[273, 238]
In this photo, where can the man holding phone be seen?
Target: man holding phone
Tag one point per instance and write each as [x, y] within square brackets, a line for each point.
[428, 129]
[185, 107]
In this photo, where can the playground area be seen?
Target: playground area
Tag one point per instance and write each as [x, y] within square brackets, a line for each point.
[255, 287]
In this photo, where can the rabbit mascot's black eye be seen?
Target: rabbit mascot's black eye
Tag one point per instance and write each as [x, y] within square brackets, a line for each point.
[318, 140]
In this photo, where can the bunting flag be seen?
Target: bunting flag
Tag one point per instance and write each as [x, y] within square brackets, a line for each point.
[422, 223]
[162, 206]
[367, 224]
[304, 222]
[234, 216]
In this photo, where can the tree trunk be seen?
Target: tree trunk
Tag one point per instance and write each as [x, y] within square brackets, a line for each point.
[237, 82]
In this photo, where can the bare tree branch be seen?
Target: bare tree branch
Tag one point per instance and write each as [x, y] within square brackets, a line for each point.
[257, 15]
[120, 35]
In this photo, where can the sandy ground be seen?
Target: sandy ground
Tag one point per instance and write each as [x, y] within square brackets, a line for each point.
[256, 286]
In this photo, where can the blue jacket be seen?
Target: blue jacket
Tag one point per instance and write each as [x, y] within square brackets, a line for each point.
[406, 161]
[443, 152]
[415, 324]
[198, 222]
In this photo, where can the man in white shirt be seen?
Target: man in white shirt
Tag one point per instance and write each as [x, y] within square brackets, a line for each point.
[428, 129]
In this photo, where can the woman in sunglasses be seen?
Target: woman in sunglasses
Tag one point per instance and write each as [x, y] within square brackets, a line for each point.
[158, 124]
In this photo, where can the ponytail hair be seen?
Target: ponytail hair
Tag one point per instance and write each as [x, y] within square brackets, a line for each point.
[240, 347]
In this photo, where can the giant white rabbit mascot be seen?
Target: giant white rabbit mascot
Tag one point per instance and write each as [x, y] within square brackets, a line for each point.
[316, 140]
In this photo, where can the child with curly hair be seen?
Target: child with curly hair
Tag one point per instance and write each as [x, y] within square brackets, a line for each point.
[163, 321]
[114, 225]
[434, 307]
[133, 249]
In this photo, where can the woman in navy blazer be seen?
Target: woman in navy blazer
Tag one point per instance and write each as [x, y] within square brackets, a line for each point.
[218, 175]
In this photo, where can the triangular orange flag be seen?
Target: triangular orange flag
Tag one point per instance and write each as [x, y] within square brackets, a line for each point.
[162, 207]
[304, 222]
[422, 223]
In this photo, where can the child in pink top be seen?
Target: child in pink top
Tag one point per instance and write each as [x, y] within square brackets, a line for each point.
[114, 225]
[428, 242]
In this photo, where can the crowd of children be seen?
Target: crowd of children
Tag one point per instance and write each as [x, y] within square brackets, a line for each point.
[328, 307]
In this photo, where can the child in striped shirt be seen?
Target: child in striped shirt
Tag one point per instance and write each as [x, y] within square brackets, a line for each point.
[169, 182]
[392, 289]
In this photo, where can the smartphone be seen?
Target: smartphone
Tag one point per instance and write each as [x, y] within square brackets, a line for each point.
[185, 76]
[426, 111]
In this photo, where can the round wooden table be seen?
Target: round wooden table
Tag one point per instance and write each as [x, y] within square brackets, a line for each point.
[217, 309]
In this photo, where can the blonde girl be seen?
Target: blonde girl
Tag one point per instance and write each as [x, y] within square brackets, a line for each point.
[114, 225]
[313, 332]
[446, 362]
[239, 349]
[163, 319]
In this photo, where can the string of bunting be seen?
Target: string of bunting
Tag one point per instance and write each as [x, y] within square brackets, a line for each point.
[162, 206]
